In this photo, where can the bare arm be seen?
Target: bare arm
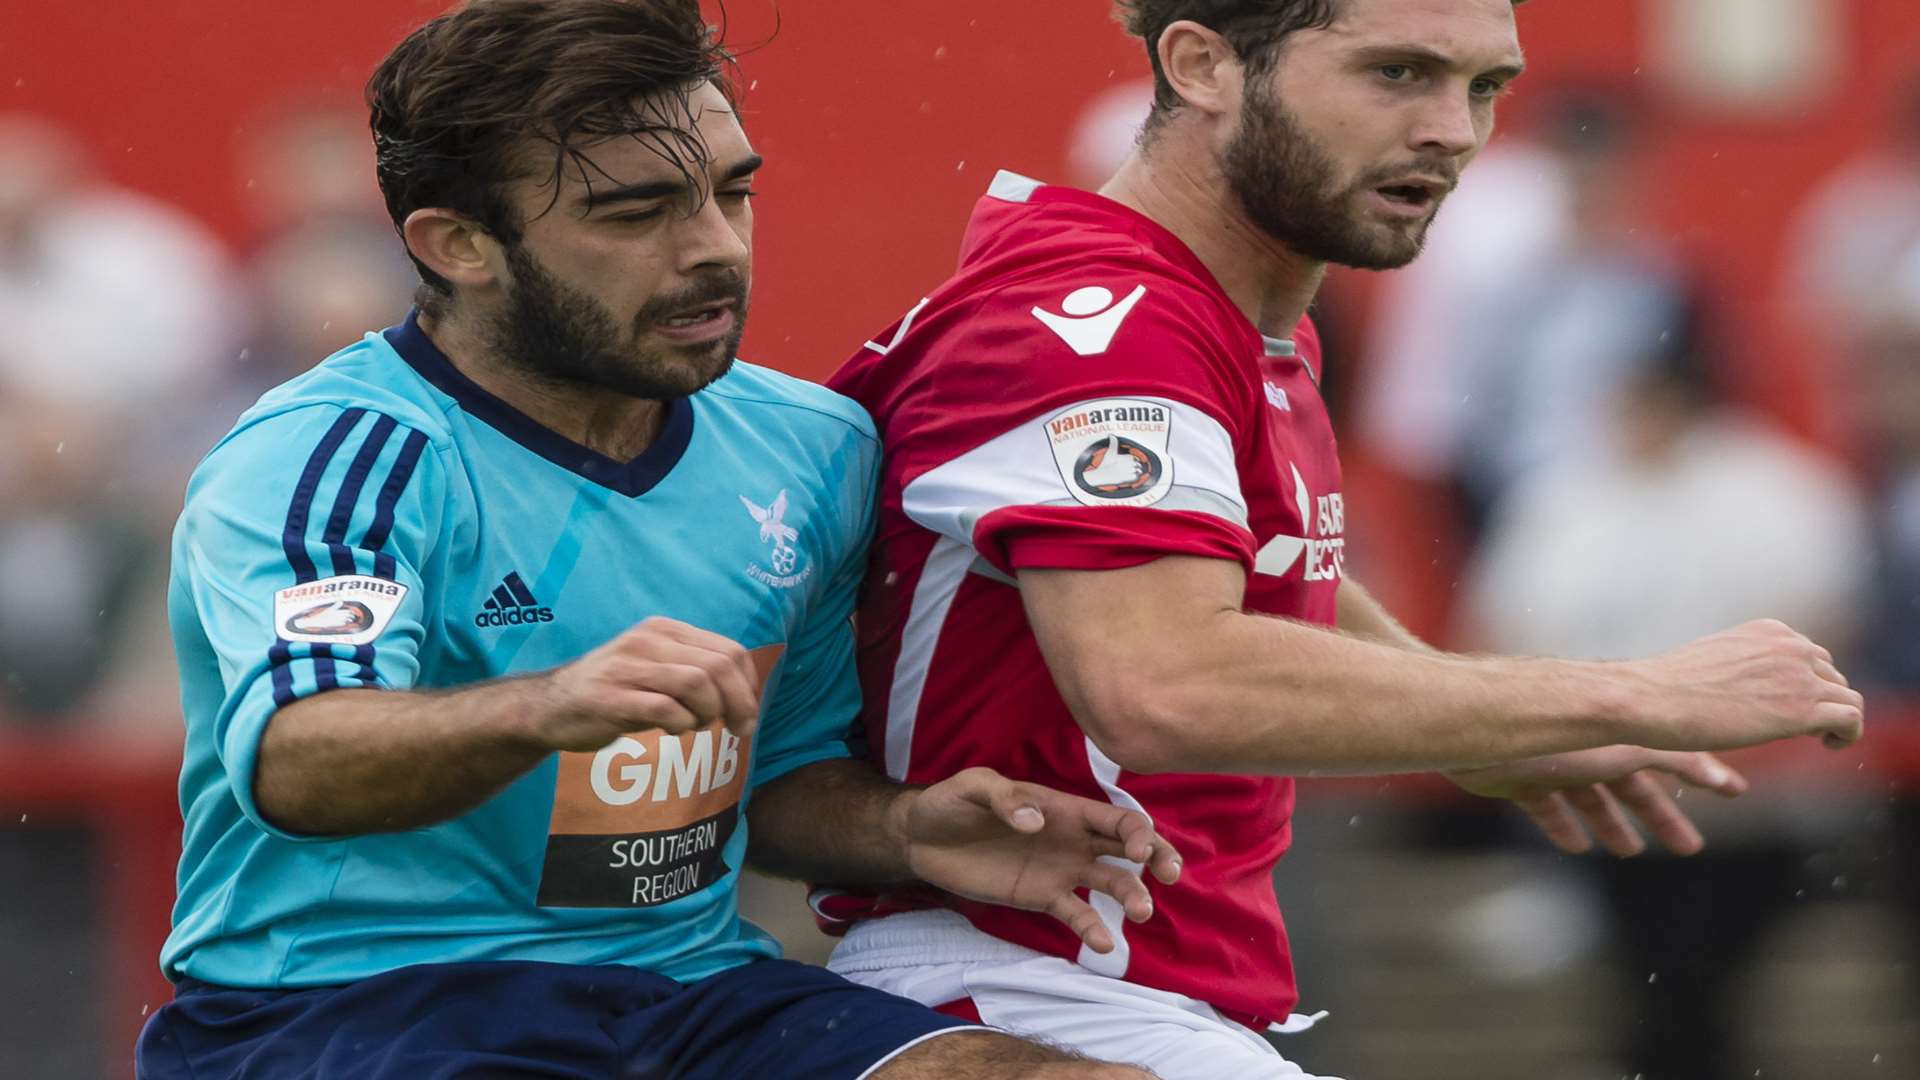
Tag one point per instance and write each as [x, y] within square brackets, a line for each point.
[1577, 797]
[364, 761]
[361, 761]
[1359, 614]
[1166, 673]
[837, 820]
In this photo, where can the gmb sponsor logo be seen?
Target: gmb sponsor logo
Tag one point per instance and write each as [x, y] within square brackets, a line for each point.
[683, 767]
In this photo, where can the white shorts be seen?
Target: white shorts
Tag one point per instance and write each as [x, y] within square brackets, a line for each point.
[938, 959]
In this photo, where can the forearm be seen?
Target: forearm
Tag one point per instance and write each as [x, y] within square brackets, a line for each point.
[1200, 685]
[1363, 616]
[349, 762]
[1255, 694]
[840, 821]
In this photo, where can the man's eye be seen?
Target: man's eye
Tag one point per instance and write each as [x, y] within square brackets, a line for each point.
[743, 193]
[1396, 72]
[636, 217]
[1487, 87]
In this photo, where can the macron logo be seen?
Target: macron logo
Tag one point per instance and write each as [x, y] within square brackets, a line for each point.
[1088, 318]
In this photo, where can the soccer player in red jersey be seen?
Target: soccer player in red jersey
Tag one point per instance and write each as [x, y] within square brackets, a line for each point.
[1110, 545]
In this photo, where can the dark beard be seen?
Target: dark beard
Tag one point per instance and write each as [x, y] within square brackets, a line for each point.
[1286, 183]
[555, 332]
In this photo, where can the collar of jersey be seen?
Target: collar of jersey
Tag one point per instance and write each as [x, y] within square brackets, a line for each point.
[630, 478]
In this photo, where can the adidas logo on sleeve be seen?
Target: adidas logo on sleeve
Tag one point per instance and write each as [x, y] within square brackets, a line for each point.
[512, 604]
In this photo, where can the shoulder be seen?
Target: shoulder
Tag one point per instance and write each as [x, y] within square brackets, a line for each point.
[1108, 291]
[364, 378]
[787, 401]
[1116, 325]
[361, 401]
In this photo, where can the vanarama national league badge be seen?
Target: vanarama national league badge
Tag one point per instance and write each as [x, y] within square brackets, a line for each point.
[1113, 452]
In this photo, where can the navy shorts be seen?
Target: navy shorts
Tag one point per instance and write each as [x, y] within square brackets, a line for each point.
[773, 1018]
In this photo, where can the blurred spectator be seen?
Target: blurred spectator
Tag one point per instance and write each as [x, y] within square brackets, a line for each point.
[1498, 348]
[1687, 516]
[1104, 132]
[326, 262]
[314, 289]
[309, 161]
[326, 266]
[1431, 318]
[1887, 661]
[1855, 228]
[1887, 412]
[111, 307]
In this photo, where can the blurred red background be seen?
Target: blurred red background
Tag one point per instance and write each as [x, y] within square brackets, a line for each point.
[884, 121]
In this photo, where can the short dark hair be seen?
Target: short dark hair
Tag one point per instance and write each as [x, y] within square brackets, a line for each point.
[500, 90]
[1255, 29]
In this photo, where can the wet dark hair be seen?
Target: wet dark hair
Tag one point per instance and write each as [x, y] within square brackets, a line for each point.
[1255, 29]
[501, 90]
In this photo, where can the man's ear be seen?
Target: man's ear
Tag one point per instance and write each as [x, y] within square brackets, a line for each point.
[1202, 67]
[453, 246]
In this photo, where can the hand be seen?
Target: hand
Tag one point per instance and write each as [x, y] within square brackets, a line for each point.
[984, 837]
[660, 674]
[1601, 786]
[1753, 684]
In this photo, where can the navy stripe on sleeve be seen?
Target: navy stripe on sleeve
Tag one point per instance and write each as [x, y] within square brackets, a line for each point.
[278, 658]
[293, 540]
[376, 538]
[283, 654]
[349, 496]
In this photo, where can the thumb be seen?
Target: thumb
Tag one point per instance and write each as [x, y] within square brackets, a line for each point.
[1014, 805]
[1706, 771]
[1113, 447]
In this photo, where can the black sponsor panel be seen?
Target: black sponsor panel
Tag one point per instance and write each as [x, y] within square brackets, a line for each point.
[637, 869]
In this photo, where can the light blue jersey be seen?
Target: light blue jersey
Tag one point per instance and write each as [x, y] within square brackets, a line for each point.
[381, 521]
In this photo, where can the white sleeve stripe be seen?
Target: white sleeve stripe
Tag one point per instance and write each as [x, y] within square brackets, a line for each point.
[940, 578]
[1017, 468]
[1107, 772]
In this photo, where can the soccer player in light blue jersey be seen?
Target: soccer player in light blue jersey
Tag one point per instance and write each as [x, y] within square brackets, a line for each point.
[509, 634]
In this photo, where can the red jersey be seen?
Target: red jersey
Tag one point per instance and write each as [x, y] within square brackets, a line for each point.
[1082, 395]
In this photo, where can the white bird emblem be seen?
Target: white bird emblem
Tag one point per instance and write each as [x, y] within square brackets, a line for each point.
[773, 530]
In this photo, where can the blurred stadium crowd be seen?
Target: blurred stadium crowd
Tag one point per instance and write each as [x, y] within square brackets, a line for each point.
[1546, 401]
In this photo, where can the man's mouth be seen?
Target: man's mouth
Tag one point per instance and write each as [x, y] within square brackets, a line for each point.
[1416, 194]
[699, 315]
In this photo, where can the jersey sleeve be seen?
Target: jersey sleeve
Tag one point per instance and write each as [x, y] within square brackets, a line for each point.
[813, 713]
[297, 564]
[1064, 441]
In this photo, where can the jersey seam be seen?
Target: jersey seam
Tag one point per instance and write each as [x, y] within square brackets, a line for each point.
[333, 887]
[438, 440]
[855, 427]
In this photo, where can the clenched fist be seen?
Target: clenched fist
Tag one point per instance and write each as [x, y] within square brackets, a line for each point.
[660, 674]
[1752, 684]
